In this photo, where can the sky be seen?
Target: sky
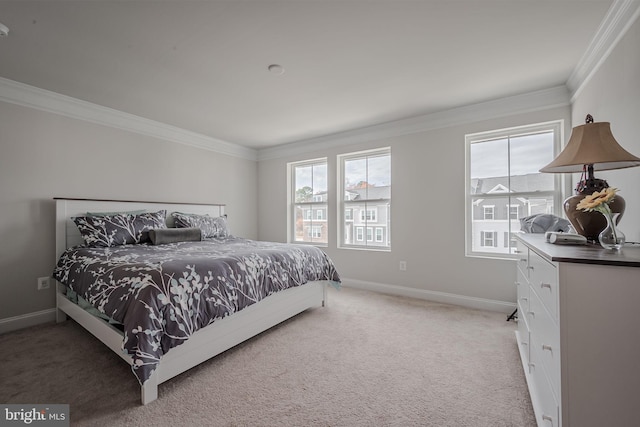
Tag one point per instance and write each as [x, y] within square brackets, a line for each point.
[528, 153]
[377, 171]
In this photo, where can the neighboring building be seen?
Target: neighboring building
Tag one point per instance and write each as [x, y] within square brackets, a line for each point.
[496, 214]
[311, 220]
[367, 223]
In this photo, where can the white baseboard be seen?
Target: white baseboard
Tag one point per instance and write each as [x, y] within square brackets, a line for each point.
[442, 297]
[24, 321]
[45, 316]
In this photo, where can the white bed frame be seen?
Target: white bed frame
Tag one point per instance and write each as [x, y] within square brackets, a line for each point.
[205, 343]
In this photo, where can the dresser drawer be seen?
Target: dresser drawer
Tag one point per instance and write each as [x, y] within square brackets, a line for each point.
[522, 292]
[543, 278]
[544, 342]
[522, 253]
[523, 335]
[547, 409]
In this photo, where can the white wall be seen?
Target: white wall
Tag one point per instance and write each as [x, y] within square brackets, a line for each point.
[613, 95]
[428, 190]
[427, 218]
[45, 155]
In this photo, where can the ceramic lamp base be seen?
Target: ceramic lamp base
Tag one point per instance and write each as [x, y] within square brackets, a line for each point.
[590, 224]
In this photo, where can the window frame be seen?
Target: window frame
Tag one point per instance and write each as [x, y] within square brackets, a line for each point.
[344, 203]
[316, 204]
[559, 187]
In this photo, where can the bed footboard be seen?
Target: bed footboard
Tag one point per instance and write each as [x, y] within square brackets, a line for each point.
[233, 330]
[205, 343]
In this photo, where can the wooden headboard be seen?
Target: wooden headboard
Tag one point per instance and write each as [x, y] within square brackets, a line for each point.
[67, 233]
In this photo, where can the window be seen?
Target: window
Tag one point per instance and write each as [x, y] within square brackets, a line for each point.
[368, 215]
[513, 211]
[315, 231]
[504, 184]
[488, 238]
[348, 214]
[308, 192]
[365, 185]
[488, 212]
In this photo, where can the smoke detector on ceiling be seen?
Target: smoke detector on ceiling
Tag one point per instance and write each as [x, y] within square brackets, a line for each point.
[276, 69]
[4, 30]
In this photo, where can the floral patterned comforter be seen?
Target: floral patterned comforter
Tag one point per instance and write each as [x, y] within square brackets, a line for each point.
[163, 294]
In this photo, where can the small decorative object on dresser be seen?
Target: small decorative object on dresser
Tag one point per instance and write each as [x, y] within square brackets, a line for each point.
[578, 332]
[610, 237]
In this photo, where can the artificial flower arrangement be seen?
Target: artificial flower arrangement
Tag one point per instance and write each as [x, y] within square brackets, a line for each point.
[599, 201]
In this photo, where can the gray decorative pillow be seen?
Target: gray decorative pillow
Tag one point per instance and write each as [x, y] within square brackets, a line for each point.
[210, 226]
[163, 236]
[119, 229]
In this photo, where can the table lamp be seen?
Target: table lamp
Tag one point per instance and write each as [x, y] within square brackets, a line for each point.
[591, 147]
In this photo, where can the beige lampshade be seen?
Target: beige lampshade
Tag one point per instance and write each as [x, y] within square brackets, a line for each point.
[592, 144]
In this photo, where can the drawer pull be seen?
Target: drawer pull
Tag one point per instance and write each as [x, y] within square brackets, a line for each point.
[524, 299]
[545, 285]
[515, 251]
[529, 267]
[547, 347]
[531, 313]
[547, 418]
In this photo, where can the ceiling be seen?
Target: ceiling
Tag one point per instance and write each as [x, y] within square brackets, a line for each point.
[203, 65]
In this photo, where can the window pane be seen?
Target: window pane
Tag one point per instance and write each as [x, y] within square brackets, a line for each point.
[309, 187]
[303, 184]
[513, 163]
[528, 154]
[366, 187]
[299, 217]
[379, 171]
[503, 219]
[310, 183]
[503, 176]
[365, 173]
[490, 159]
[310, 223]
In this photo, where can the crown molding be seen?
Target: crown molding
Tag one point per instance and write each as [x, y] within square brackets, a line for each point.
[40, 99]
[620, 17]
[525, 103]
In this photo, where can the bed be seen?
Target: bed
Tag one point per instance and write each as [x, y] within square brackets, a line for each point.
[172, 298]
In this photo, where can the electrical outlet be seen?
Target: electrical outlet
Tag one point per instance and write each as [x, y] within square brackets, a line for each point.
[43, 283]
[403, 265]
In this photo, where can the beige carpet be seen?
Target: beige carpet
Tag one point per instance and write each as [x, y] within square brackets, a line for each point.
[365, 360]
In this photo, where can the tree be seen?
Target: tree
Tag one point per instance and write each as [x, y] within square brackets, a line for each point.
[304, 194]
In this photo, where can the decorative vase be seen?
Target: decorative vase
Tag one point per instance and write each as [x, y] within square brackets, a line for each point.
[590, 224]
[611, 237]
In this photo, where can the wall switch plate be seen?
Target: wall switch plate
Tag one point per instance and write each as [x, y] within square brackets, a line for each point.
[403, 265]
[43, 283]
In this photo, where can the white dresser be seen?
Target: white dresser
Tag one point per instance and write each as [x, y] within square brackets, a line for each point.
[579, 332]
